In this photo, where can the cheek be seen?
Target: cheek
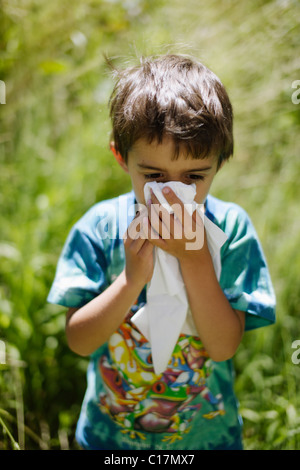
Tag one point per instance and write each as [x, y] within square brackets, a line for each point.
[138, 187]
[202, 192]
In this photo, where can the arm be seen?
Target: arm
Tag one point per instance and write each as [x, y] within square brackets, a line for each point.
[88, 327]
[219, 326]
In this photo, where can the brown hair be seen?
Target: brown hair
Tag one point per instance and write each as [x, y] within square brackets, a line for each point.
[175, 96]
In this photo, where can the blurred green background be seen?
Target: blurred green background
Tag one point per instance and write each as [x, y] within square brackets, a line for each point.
[55, 163]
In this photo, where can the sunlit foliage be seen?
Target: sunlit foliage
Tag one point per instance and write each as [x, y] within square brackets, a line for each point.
[55, 163]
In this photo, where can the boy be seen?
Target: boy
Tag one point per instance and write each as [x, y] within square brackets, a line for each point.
[172, 122]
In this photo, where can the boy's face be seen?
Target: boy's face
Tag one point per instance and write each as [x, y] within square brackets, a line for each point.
[155, 162]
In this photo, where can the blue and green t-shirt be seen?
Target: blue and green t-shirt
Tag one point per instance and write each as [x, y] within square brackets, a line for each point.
[191, 405]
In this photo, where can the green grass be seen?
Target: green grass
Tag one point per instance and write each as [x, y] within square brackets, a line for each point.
[55, 163]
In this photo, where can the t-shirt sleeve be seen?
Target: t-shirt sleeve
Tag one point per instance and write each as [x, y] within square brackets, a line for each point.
[81, 269]
[245, 277]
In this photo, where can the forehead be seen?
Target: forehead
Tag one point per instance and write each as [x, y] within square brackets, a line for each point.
[165, 153]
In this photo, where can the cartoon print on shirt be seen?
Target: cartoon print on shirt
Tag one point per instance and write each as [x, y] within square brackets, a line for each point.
[139, 400]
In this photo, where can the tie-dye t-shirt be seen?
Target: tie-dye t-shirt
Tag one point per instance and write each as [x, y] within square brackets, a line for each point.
[192, 404]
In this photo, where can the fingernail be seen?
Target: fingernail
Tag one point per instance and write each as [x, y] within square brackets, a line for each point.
[166, 190]
[149, 202]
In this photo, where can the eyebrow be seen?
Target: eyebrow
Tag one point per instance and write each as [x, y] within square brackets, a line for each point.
[150, 167]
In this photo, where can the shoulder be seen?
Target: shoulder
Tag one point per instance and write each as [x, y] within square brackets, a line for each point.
[108, 208]
[229, 216]
[111, 215]
[245, 277]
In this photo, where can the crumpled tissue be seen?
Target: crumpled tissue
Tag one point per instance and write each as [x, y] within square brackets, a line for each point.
[166, 314]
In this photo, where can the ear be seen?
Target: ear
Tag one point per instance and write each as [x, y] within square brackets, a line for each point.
[118, 157]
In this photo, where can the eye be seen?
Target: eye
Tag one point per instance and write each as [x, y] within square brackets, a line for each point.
[159, 387]
[149, 359]
[117, 379]
[195, 177]
[153, 176]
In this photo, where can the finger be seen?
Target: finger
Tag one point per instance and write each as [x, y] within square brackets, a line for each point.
[145, 227]
[131, 243]
[194, 231]
[152, 235]
[173, 218]
[134, 230]
[146, 249]
[160, 218]
[184, 212]
[148, 230]
[197, 221]
[160, 221]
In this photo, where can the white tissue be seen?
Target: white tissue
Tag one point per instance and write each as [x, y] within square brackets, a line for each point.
[166, 314]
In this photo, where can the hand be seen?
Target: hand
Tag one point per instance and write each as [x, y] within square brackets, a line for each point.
[138, 252]
[180, 234]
